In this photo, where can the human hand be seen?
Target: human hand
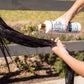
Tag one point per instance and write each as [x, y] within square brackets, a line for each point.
[59, 49]
[65, 19]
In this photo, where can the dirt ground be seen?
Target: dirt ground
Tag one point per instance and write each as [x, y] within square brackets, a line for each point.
[42, 72]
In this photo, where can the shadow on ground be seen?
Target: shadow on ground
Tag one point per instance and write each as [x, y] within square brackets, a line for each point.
[9, 77]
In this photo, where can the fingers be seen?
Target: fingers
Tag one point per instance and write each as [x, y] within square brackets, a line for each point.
[66, 25]
[52, 39]
[59, 43]
[56, 40]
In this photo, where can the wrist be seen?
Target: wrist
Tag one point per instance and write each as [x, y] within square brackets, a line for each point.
[61, 53]
[69, 15]
[64, 55]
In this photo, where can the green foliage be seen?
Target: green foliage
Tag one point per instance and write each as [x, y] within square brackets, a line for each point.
[79, 55]
[6, 41]
[52, 59]
[62, 74]
[58, 64]
[31, 68]
[62, 37]
[81, 37]
[23, 65]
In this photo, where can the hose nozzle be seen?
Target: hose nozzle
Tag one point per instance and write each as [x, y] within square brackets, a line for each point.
[42, 27]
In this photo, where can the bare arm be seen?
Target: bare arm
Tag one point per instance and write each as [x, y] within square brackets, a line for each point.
[75, 9]
[76, 65]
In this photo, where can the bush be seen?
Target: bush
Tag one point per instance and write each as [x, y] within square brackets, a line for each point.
[22, 65]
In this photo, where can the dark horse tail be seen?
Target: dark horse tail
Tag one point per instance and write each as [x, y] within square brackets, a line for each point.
[14, 36]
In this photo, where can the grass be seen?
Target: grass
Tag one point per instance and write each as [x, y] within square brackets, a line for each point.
[22, 15]
[36, 17]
